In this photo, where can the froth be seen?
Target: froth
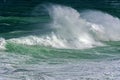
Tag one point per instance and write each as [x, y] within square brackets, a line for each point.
[2, 43]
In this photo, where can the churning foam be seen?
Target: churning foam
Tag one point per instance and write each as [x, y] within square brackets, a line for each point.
[74, 30]
[2, 43]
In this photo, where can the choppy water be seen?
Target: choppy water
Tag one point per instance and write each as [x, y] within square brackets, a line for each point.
[65, 44]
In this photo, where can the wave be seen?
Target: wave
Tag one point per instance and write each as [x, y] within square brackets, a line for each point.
[52, 53]
[74, 30]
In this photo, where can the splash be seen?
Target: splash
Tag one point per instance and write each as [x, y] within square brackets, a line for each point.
[69, 26]
[109, 25]
[74, 30]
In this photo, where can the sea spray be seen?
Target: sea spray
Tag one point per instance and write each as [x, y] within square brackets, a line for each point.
[69, 25]
[109, 24]
[73, 30]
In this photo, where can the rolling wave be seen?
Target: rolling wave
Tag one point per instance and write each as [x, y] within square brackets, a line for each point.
[74, 30]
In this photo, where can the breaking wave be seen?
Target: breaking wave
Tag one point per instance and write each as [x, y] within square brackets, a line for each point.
[74, 30]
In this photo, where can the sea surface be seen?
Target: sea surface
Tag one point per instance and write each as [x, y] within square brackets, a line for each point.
[60, 40]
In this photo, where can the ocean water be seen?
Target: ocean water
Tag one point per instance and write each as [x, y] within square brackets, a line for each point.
[64, 40]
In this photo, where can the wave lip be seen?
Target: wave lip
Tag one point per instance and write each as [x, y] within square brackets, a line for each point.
[50, 40]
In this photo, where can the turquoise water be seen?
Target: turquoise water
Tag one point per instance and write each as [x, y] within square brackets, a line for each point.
[64, 41]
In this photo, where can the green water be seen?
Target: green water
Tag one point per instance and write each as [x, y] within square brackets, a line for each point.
[110, 50]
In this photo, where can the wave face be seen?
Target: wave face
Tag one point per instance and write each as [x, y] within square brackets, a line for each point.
[74, 30]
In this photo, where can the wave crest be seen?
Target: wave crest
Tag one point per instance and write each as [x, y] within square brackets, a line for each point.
[75, 30]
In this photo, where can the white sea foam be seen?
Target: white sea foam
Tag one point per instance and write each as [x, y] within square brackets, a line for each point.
[52, 41]
[2, 43]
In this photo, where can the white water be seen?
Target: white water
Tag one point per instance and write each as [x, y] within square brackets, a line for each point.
[2, 43]
[14, 67]
[75, 30]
